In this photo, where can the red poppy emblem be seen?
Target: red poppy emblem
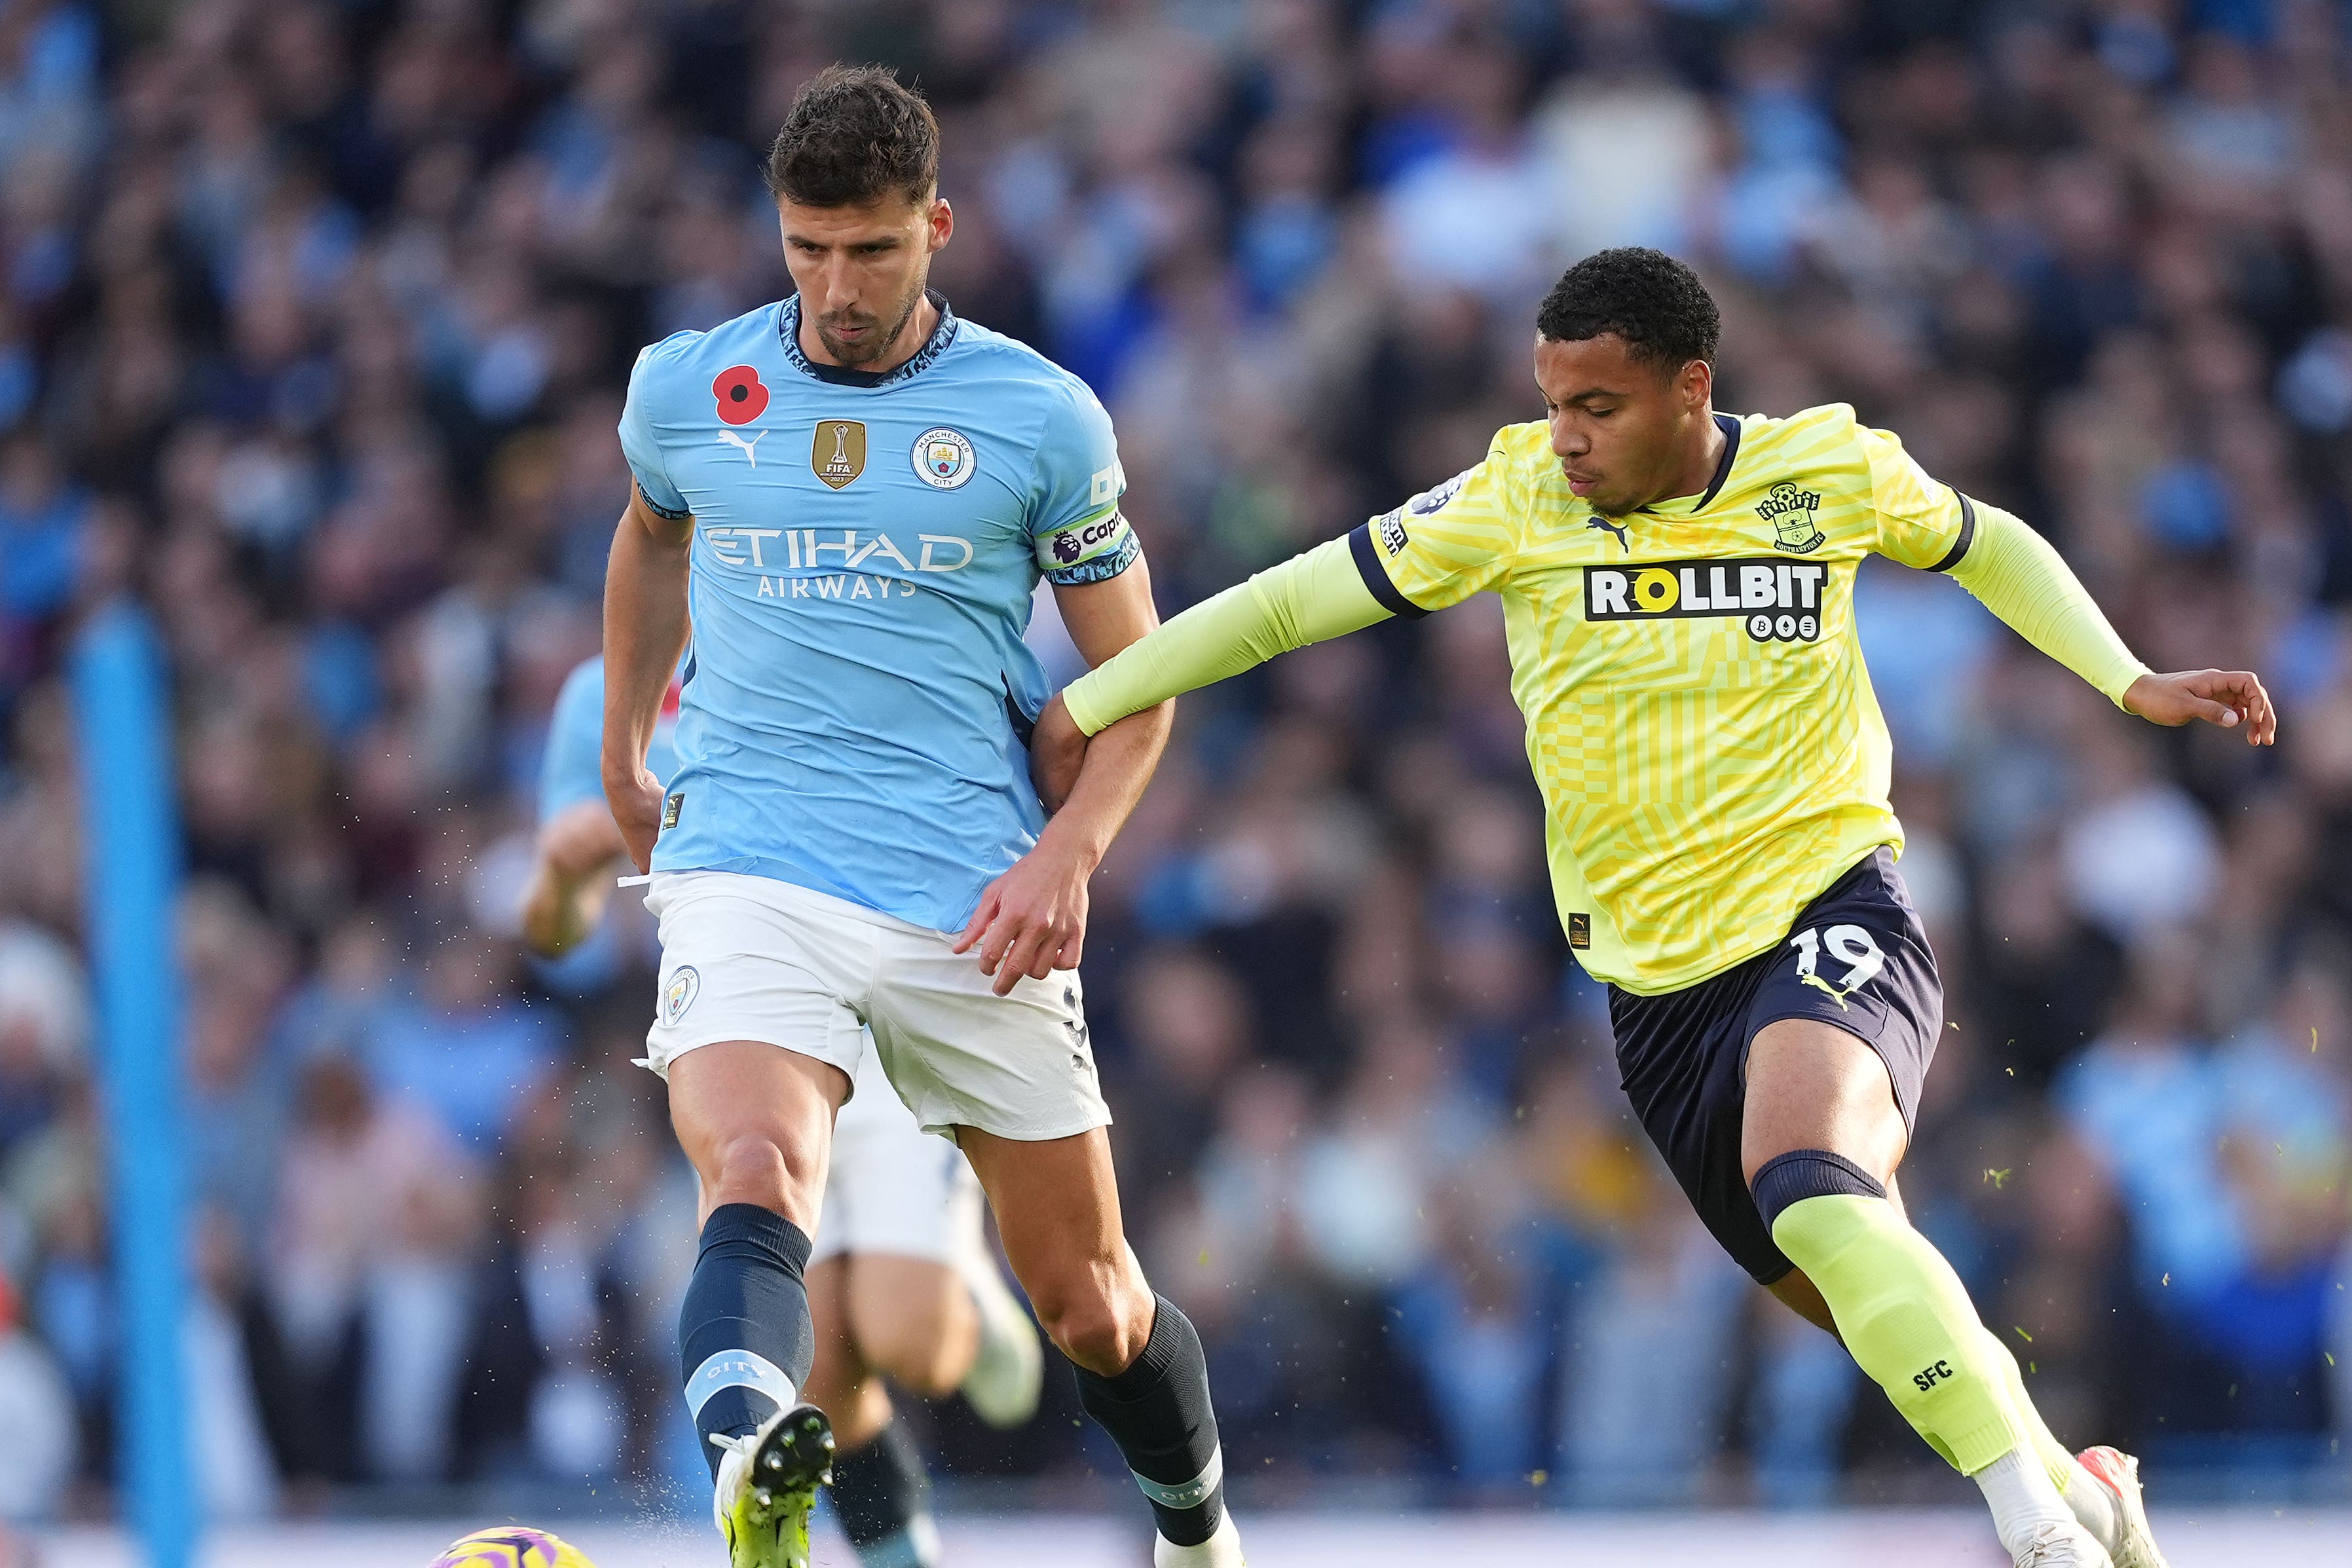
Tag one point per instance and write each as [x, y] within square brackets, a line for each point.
[741, 398]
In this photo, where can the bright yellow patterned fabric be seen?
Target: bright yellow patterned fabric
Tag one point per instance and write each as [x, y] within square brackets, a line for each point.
[1699, 716]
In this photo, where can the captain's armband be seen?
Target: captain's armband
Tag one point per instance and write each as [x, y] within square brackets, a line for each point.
[1087, 550]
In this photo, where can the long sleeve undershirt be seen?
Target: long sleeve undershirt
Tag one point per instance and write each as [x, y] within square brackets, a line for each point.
[1310, 597]
[2019, 577]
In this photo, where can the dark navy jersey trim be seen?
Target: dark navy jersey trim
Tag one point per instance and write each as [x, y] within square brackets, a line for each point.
[1730, 428]
[1968, 535]
[1376, 577]
[659, 509]
[943, 334]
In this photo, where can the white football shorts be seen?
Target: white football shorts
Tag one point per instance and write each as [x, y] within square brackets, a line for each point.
[751, 957]
[892, 1187]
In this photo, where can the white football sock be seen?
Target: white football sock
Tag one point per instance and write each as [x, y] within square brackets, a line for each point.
[1222, 1549]
[729, 1480]
[2022, 1499]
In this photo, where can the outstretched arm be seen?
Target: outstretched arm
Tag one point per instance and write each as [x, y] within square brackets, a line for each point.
[2022, 580]
[1307, 598]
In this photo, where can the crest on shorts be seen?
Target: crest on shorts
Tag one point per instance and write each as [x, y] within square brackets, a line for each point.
[943, 458]
[678, 995]
[837, 452]
[1790, 510]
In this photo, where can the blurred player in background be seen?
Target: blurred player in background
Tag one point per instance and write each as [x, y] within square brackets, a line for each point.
[902, 1284]
[850, 496]
[1677, 592]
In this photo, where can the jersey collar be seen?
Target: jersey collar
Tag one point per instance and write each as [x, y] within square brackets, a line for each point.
[943, 332]
[1685, 506]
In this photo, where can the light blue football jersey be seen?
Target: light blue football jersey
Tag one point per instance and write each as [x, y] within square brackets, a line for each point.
[571, 769]
[856, 707]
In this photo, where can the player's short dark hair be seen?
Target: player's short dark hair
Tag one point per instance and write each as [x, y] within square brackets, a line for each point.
[1652, 301]
[854, 134]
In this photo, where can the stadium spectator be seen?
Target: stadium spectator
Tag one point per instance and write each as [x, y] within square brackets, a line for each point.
[313, 323]
[38, 1438]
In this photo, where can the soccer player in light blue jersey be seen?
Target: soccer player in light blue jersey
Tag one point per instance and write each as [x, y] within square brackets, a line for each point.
[902, 1284]
[850, 496]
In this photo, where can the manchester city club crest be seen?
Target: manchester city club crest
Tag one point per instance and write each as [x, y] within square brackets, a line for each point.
[1790, 510]
[680, 994]
[943, 459]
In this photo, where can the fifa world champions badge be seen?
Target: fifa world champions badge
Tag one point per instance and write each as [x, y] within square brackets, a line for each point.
[838, 451]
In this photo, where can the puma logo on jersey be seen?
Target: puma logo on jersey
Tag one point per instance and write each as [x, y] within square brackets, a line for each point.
[1608, 527]
[749, 449]
[1779, 601]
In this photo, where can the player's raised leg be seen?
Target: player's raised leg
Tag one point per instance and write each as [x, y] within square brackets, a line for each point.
[755, 1121]
[1141, 1372]
[1820, 1141]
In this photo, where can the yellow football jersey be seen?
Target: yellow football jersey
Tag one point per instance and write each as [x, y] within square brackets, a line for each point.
[1710, 751]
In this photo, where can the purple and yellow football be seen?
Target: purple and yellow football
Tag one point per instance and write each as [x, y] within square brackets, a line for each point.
[512, 1546]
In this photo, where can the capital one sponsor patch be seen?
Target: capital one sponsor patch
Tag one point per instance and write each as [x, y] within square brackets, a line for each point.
[1777, 601]
[1068, 546]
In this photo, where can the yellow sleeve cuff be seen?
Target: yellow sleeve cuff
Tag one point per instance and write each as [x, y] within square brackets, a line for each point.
[1307, 598]
[2026, 584]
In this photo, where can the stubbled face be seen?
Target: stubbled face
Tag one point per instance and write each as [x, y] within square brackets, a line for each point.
[861, 270]
[1619, 426]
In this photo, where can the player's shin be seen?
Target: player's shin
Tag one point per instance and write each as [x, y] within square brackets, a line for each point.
[1907, 1321]
[1157, 1411]
[883, 1495]
[744, 1338]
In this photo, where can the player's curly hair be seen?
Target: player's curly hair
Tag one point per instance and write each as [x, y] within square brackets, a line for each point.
[1652, 301]
[854, 134]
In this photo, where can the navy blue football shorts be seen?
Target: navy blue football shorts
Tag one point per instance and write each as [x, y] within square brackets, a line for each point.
[1857, 959]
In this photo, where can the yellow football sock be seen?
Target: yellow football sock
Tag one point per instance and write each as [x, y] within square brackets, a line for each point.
[1905, 1318]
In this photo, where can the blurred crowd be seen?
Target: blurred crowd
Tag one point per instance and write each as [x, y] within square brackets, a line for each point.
[315, 317]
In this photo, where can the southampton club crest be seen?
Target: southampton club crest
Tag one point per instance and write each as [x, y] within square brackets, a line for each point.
[943, 458]
[1790, 510]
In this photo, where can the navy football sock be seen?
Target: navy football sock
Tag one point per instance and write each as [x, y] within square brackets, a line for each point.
[1157, 1411]
[745, 1341]
[883, 1497]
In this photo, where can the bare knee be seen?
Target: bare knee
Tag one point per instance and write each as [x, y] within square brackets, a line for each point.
[1098, 1323]
[749, 1168]
[757, 1122]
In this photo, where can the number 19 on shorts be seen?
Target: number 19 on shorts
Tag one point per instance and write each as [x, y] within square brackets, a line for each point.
[1850, 945]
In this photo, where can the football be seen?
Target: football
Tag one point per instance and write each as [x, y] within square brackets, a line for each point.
[511, 1546]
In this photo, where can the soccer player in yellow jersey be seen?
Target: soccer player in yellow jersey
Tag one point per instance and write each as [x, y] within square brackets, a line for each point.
[1678, 588]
